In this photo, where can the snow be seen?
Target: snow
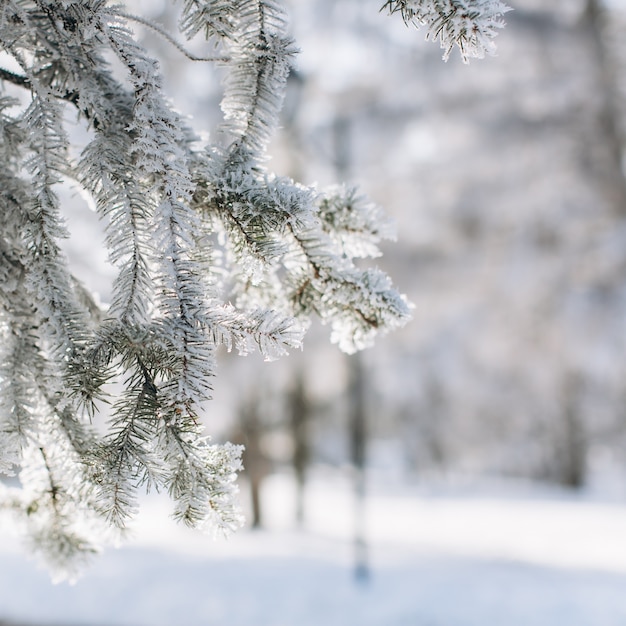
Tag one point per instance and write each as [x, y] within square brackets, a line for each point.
[438, 556]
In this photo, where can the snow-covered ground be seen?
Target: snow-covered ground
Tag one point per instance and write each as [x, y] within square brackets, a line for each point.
[462, 556]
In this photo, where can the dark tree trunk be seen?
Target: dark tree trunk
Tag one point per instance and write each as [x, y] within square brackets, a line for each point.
[255, 461]
[358, 444]
[299, 421]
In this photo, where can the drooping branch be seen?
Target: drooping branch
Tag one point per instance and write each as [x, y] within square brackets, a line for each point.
[185, 221]
[163, 33]
[469, 24]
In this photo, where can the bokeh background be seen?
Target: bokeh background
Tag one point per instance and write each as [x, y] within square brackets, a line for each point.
[469, 469]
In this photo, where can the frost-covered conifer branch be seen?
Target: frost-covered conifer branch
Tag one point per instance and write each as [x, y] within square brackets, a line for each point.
[469, 24]
[354, 223]
[185, 222]
[358, 304]
[260, 59]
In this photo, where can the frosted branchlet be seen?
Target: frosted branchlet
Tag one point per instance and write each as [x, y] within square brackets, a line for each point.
[471, 25]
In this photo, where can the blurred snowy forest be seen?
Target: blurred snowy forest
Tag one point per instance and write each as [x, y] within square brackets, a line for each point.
[505, 178]
[505, 181]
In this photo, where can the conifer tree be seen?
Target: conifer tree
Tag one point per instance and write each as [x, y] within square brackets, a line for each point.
[210, 248]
